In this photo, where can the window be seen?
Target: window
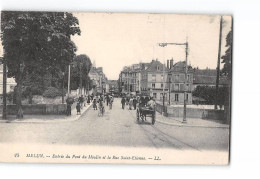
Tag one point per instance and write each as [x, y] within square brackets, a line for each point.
[161, 77]
[158, 68]
[176, 97]
[153, 85]
[176, 87]
[154, 95]
[188, 87]
[162, 85]
[187, 97]
[188, 77]
[153, 77]
[177, 77]
[161, 96]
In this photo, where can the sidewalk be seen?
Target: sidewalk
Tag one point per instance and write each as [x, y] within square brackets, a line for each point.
[47, 118]
[191, 122]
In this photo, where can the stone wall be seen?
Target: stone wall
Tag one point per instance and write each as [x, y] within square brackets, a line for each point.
[37, 109]
[191, 112]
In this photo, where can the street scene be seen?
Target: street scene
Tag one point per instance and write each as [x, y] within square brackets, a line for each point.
[161, 81]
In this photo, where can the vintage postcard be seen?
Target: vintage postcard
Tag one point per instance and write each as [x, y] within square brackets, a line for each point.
[124, 88]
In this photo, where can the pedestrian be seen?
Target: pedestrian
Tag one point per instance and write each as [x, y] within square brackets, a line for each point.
[81, 100]
[95, 104]
[134, 103]
[78, 108]
[123, 102]
[151, 104]
[111, 99]
[88, 99]
[108, 99]
[68, 111]
[130, 103]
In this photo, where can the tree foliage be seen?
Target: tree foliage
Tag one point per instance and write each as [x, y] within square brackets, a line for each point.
[37, 43]
[81, 66]
[227, 58]
[208, 94]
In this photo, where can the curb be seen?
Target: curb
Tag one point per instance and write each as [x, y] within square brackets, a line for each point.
[47, 121]
[187, 125]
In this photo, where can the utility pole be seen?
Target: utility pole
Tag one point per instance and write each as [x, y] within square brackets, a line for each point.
[218, 65]
[169, 89]
[186, 71]
[163, 87]
[80, 78]
[63, 87]
[185, 83]
[69, 81]
[4, 89]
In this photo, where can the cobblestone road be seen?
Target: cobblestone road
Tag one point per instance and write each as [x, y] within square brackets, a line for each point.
[117, 127]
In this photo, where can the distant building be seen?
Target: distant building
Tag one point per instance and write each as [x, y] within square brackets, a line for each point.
[207, 77]
[113, 86]
[99, 80]
[130, 78]
[10, 82]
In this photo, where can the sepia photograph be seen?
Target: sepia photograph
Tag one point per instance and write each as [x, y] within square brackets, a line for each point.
[123, 88]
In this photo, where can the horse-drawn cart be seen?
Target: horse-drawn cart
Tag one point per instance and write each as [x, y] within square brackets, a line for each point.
[145, 111]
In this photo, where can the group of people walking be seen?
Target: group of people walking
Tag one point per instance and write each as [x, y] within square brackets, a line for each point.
[99, 102]
[81, 101]
[132, 102]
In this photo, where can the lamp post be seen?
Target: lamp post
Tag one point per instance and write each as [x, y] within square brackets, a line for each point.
[63, 74]
[80, 78]
[185, 81]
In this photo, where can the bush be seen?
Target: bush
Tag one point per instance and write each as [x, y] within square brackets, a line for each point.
[51, 92]
[208, 94]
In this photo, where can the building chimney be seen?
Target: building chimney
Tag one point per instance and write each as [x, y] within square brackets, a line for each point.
[168, 64]
[171, 63]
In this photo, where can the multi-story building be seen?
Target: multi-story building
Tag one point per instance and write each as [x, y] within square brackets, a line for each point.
[99, 80]
[113, 86]
[153, 80]
[176, 81]
[10, 82]
[130, 78]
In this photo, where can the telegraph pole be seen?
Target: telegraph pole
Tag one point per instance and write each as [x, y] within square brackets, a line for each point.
[218, 66]
[185, 83]
[69, 82]
[80, 79]
[4, 89]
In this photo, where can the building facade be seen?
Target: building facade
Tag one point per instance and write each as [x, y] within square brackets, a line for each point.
[157, 80]
[100, 81]
[178, 89]
[154, 80]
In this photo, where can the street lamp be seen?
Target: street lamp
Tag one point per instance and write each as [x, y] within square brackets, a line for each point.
[186, 71]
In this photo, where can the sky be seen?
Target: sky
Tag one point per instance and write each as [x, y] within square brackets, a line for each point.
[115, 40]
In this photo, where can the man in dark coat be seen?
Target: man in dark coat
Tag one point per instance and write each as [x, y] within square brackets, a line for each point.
[134, 102]
[123, 102]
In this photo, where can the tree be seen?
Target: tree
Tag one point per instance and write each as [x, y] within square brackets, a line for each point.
[80, 70]
[227, 58]
[37, 42]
